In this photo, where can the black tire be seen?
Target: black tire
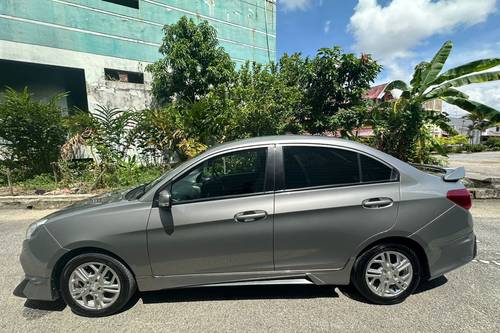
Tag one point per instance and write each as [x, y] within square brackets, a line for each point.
[128, 285]
[360, 266]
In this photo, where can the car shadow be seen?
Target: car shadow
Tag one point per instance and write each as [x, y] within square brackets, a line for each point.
[34, 309]
[352, 293]
[429, 285]
[37, 309]
[231, 293]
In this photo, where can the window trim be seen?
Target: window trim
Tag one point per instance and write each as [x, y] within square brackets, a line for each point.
[280, 168]
[269, 180]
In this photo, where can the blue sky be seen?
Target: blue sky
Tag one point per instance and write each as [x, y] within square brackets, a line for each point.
[398, 33]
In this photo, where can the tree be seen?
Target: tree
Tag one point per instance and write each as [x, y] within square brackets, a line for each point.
[402, 127]
[192, 65]
[31, 132]
[335, 81]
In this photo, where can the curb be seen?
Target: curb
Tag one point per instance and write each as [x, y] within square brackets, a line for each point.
[485, 193]
[41, 201]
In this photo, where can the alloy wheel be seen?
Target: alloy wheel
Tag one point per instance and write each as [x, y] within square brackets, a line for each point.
[94, 286]
[389, 273]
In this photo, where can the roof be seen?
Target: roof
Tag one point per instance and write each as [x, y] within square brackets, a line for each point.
[378, 92]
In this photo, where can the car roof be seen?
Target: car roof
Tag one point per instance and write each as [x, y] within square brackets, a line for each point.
[283, 139]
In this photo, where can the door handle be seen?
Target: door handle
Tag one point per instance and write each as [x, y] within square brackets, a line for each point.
[250, 216]
[377, 203]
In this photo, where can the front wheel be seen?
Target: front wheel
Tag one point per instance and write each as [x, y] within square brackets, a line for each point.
[387, 273]
[96, 285]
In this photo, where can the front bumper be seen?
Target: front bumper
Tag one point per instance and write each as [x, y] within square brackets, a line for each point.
[38, 258]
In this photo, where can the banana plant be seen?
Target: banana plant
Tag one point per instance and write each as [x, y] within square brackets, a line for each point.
[429, 83]
[404, 128]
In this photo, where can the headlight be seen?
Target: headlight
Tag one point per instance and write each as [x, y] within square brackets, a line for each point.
[32, 228]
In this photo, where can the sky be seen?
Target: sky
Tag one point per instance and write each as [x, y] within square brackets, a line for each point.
[399, 34]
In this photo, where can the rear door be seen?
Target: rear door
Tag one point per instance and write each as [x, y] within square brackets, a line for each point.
[221, 217]
[328, 201]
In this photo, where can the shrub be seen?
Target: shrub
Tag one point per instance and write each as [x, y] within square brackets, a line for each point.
[31, 132]
[474, 148]
[493, 143]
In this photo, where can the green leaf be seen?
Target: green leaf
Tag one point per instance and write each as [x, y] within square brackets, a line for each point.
[463, 81]
[436, 65]
[481, 110]
[397, 84]
[452, 93]
[420, 69]
[471, 67]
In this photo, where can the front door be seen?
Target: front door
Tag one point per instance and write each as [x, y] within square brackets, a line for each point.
[221, 218]
[328, 202]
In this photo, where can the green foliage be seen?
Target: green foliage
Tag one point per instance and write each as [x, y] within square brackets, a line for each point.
[475, 148]
[43, 181]
[31, 132]
[493, 143]
[334, 81]
[192, 65]
[403, 128]
[454, 140]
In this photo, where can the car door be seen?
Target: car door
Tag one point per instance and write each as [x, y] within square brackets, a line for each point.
[220, 219]
[328, 201]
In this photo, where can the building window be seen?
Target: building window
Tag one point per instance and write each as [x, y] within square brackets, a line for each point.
[123, 76]
[128, 3]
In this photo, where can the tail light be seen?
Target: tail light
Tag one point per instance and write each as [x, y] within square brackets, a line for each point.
[460, 197]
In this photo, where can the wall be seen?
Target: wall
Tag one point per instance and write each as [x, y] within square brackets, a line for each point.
[246, 28]
[95, 34]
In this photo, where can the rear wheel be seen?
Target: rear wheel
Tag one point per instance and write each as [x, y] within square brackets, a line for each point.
[96, 285]
[387, 273]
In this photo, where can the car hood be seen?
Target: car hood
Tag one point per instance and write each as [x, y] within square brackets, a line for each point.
[93, 202]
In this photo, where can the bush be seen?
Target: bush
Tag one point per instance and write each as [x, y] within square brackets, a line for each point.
[40, 182]
[493, 143]
[32, 132]
[474, 148]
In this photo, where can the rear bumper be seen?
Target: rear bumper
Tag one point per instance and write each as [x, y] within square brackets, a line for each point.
[453, 255]
[448, 241]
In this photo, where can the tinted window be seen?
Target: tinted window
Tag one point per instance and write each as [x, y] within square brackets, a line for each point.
[315, 166]
[225, 175]
[374, 171]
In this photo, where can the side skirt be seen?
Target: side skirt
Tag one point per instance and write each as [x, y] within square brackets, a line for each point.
[317, 277]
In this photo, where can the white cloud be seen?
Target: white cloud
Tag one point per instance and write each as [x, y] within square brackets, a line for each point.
[326, 27]
[392, 31]
[294, 4]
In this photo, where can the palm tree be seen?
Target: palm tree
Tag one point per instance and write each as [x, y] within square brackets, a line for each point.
[404, 127]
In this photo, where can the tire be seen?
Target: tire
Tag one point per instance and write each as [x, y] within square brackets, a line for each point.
[106, 283]
[384, 284]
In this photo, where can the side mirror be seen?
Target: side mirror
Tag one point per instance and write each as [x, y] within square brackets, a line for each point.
[164, 199]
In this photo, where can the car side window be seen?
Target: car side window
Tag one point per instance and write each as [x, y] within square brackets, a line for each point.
[307, 166]
[232, 174]
[375, 171]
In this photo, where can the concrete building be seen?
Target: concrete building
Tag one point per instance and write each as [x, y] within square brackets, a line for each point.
[97, 50]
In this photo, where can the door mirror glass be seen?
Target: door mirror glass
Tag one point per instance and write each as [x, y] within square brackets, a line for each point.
[164, 199]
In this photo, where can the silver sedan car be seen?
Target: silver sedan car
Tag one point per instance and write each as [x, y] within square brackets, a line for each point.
[283, 208]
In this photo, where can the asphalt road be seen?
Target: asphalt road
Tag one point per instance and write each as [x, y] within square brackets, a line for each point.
[477, 165]
[466, 300]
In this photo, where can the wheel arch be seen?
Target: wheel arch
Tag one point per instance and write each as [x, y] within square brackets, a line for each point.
[412, 244]
[64, 259]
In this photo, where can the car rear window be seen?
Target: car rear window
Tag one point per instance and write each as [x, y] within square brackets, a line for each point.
[306, 166]
[374, 171]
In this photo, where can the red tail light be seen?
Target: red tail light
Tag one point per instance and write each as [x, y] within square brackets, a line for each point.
[460, 197]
